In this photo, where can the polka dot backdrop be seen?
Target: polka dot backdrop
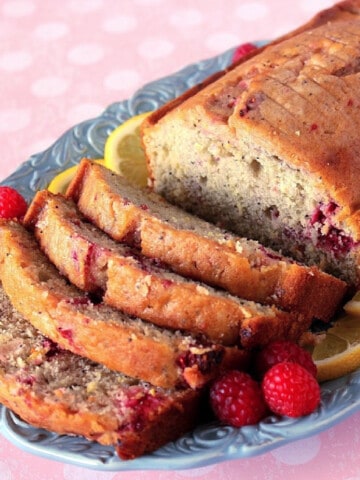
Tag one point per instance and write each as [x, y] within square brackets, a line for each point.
[64, 62]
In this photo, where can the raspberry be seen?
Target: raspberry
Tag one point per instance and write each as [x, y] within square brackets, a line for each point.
[243, 50]
[12, 204]
[289, 389]
[237, 399]
[283, 351]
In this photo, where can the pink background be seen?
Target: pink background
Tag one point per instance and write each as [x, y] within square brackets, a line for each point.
[64, 62]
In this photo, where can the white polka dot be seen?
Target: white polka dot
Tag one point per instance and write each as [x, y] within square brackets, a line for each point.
[12, 120]
[15, 61]
[218, 42]
[78, 473]
[83, 111]
[49, 86]
[83, 6]
[251, 11]
[18, 8]
[186, 18]
[312, 7]
[122, 80]
[5, 473]
[298, 453]
[149, 3]
[85, 54]
[155, 48]
[120, 24]
[51, 30]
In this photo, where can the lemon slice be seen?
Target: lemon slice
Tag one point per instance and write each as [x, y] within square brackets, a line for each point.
[60, 183]
[339, 352]
[124, 153]
[353, 306]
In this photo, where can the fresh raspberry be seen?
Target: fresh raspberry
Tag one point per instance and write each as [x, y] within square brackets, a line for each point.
[12, 204]
[243, 50]
[289, 389]
[237, 399]
[283, 351]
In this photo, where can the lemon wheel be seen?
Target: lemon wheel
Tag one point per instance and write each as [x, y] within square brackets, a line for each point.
[339, 352]
[352, 307]
[123, 151]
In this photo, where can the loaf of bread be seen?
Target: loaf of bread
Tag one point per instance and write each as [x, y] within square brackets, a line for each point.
[271, 149]
[68, 317]
[198, 249]
[65, 393]
[141, 287]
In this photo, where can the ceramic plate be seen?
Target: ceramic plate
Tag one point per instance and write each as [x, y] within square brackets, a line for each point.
[210, 443]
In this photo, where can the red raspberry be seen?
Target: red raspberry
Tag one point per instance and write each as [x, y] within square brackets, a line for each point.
[237, 399]
[243, 50]
[283, 351]
[12, 204]
[289, 389]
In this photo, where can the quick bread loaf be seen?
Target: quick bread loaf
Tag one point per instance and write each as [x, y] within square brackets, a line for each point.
[52, 388]
[270, 149]
[197, 249]
[141, 286]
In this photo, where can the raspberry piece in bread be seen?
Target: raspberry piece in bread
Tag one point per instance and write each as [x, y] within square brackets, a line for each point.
[52, 388]
[141, 287]
[198, 249]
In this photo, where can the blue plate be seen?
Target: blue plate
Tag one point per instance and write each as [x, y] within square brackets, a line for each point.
[210, 443]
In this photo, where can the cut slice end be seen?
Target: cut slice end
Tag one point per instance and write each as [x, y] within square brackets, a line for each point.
[60, 183]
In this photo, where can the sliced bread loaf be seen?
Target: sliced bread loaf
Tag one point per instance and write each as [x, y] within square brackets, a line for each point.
[141, 287]
[198, 249]
[67, 316]
[271, 149]
[65, 393]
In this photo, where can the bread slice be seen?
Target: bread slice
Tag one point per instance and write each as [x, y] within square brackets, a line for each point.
[271, 148]
[139, 286]
[51, 388]
[68, 317]
[198, 249]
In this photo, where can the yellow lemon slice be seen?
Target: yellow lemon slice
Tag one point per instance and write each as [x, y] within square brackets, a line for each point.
[124, 153]
[60, 183]
[353, 306]
[339, 352]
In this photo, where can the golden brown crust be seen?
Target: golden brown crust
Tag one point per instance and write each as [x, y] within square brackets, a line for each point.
[345, 10]
[302, 132]
[107, 202]
[167, 426]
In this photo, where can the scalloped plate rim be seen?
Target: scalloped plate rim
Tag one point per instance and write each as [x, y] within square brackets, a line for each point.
[240, 443]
